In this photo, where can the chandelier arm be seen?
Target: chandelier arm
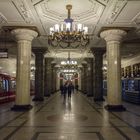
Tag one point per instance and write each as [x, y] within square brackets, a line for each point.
[57, 44]
[64, 47]
[75, 46]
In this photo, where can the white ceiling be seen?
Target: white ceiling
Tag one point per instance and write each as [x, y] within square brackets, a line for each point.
[96, 14]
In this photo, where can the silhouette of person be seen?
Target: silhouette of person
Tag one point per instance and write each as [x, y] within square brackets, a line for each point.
[65, 90]
[69, 89]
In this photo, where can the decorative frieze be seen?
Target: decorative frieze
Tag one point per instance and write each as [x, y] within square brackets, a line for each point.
[117, 6]
[23, 8]
[2, 19]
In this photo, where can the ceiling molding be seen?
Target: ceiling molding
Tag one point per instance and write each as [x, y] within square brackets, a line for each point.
[24, 10]
[3, 19]
[117, 7]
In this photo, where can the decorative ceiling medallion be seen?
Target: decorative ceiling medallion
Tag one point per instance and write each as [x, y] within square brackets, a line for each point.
[87, 12]
[51, 9]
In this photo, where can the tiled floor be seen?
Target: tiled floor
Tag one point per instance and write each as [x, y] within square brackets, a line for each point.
[77, 118]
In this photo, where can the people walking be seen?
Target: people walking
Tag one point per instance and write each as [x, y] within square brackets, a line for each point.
[65, 90]
[69, 90]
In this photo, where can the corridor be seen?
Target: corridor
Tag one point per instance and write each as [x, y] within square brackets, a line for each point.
[72, 119]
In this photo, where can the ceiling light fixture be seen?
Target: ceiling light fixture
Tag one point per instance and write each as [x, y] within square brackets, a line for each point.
[68, 34]
[69, 61]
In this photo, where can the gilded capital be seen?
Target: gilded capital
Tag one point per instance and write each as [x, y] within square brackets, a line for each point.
[113, 35]
[24, 34]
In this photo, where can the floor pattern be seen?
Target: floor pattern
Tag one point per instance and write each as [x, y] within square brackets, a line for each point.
[76, 118]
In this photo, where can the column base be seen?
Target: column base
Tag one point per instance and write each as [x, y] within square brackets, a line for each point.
[38, 99]
[99, 99]
[21, 107]
[116, 108]
[47, 95]
[84, 92]
[89, 95]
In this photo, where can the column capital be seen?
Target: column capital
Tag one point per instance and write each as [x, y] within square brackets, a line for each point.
[48, 60]
[39, 50]
[98, 51]
[84, 64]
[113, 35]
[24, 34]
[53, 63]
[89, 59]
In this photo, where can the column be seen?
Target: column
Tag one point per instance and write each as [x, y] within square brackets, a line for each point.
[80, 78]
[48, 77]
[113, 39]
[39, 73]
[57, 79]
[53, 73]
[89, 87]
[84, 81]
[98, 73]
[24, 39]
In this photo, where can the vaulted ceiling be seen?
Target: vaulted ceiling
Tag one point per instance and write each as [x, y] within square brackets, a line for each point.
[95, 14]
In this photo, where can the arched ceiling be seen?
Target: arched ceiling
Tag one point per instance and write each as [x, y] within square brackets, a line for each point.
[96, 14]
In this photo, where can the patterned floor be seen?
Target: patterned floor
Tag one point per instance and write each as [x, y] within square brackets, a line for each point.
[76, 118]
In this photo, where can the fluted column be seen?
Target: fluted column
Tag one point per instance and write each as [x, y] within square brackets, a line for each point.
[89, 87]
[113, 39]
[24, 39]
[98, 73]
[53, 73]
[48, 77]
[57, 79]
[39, 73]
[82, 79]
[84, 84]
[79, 80]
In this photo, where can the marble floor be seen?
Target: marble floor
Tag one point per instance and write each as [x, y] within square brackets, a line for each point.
[77, 118]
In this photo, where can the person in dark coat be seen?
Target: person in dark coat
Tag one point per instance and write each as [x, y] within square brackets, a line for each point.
[65, 90]
[69, 90]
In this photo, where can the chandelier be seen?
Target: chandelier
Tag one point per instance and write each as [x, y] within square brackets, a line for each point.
[69, 62]
[69, 66]
[68, 34]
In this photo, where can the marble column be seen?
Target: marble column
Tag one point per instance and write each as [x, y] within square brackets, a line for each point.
[82, 78]
[79, 79]
[53, 73]
[48, 77]
[89, 87]
[98, 73]
[39, 73]
[113, 39]
[84, 83]
[24, 39]
[57, 79]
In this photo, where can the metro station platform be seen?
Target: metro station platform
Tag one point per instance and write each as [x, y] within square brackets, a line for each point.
[78, 118]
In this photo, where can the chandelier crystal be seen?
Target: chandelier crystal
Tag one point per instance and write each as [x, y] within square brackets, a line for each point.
[68, 34]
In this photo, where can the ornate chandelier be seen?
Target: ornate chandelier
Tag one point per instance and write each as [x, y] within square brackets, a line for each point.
[69, 66]
[68, 34]
[69, 62]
